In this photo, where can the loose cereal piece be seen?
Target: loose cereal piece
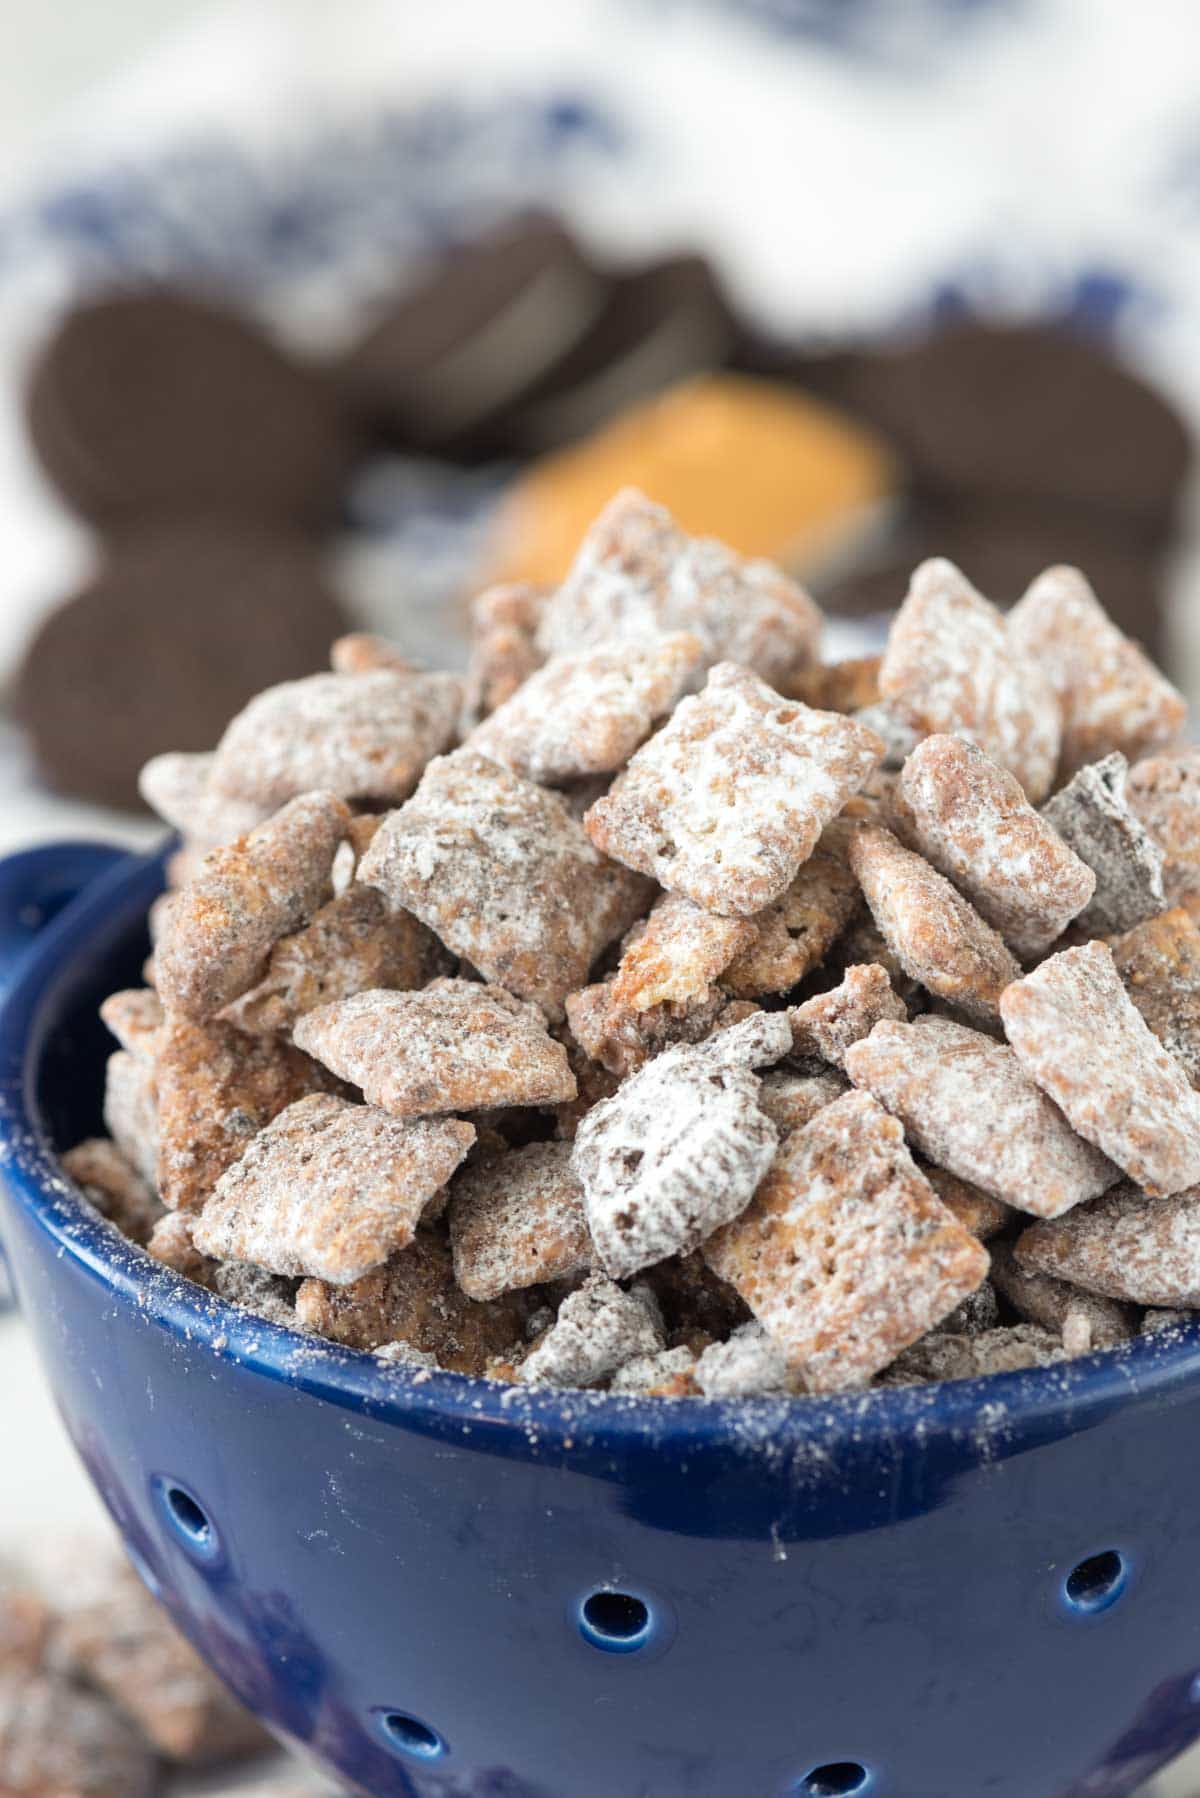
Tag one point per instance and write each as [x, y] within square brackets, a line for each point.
[171, 1243]
[518, 1221]
[1159, 961]
[216, 1090]
[113, 1185]
[976, 1210]
[131, 1112]
[403, 1354]
[135, 1018]
[361, 652]
[966, 1101]
[1079, 1035]
[57, 1741]
[179, 788]
[676, 1152]
[848, 686]
[122, 1641]
[938, 938]
[1111, 695]
[598, 1329]
[758, 1040]
[505, 876]
[950, 667]
[362, 736]
[667, 1374]
[25, 1620]
[453, 1046]
[1091, 1321]
[676, 955]
[585, 714]
[793, 1100]
[973, 822]
[1164, 792]
[504, 651]
[1093, 815]
[266, 885]
[845, 1254]
[623, 1041]
[353, 944]
[1127, 1245]
[1013, 1348]
[747, 1365]
[414, 1299]
[828, 1024]
[329, 1189]
[637, 572]
[793, 936]
[729, 799]
[253, 1289]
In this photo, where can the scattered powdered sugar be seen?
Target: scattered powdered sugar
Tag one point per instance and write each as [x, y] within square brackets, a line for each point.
[728, 800]
[966, 1101]
[1093, 816]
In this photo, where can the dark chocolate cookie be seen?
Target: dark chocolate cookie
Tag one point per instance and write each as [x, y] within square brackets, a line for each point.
[171, 636]
[154, 404]
[439, 369]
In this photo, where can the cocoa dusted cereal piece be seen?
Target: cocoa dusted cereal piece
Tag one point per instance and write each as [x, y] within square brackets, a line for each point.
[121, 1640]
[730, 797]
[362, 736]
[793, 936]
[1084, 1320]
[792, 1100]
[453, 1046]
[950, 668]
[677, 954]
[499, 869]
[361, 652]
[848, 686]
[1093, 817]
[747, 1365]
[171, 1244]
[976, 1210]
[1112, 696]
[266, 885]
[353, 944]
[135, 1018]
[1164, 793]
[845, 1254]
[329, 1189]
[1079, 1035]
[1013, 1348]
[216, 1090]
[518, 1221]
[179, 788]
[938, 938]
[58, 1741]
[667, 1374]
[966, 1101]
[131, 1111]
[1159, 962]
[253, 1289]
[585, 714]
[971, 820]
[1127, 1245]
[623, 1040]
[758, 1040]
[677, 1151]
[637, 572]
[113, 1185]
[830, 1023]
[598, 1330]
[414, 1298]
[504, 651]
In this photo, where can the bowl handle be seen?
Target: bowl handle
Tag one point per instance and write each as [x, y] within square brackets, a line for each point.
[35, 885]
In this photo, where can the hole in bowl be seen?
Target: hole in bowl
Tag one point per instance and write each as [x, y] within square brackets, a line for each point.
[187, 1519]
[837, 1779]
[412, 1736]
[617, 1622]
[1096, 1582]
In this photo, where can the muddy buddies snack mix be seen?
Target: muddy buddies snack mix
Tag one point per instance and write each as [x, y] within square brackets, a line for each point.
[652, 1022]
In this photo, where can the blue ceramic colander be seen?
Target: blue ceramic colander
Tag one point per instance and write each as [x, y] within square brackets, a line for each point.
[443, 1587]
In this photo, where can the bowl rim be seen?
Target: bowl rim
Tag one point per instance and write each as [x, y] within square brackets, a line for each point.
[1057, 1399]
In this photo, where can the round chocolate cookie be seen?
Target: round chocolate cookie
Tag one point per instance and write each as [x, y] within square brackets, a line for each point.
[171, 636]
[1012, 411]
[662, 323]
[439, 368]
[154, 404]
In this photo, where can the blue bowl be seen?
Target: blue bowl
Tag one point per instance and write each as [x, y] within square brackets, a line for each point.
[438, 1586]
